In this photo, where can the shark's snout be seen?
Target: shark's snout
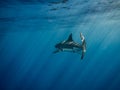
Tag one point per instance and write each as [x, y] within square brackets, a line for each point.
[57, 46]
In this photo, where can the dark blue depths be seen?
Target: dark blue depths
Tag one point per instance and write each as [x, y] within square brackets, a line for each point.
[29, 29]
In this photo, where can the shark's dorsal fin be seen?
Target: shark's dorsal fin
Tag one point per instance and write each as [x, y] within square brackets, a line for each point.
[70, 38]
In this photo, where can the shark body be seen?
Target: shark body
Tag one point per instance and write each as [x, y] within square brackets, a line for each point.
[70, 45]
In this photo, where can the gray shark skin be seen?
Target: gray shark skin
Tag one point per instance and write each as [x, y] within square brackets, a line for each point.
[70, 45]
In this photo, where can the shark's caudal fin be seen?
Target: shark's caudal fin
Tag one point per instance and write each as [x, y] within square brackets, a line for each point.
[82, 37]
[83, 45]
[82, 55]
[70, 38]
[83, 40]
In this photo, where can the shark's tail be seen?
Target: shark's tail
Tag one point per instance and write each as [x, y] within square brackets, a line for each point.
[83, 45]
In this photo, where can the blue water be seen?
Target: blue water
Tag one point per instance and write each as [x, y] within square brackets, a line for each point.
[29, 29]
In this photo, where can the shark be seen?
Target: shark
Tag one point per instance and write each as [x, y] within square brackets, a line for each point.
[70, 45]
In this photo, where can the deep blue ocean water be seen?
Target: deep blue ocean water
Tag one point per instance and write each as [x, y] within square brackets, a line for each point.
[29, 30]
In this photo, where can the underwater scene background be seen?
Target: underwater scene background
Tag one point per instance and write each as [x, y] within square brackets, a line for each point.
[29, 30]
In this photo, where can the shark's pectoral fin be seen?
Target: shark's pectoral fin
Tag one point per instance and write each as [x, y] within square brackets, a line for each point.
[61, 49]
[56, 51]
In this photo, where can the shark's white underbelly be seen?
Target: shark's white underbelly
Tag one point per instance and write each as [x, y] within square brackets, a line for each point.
[71, 50]
[67, 49]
